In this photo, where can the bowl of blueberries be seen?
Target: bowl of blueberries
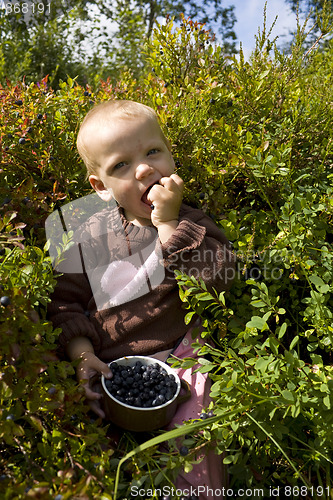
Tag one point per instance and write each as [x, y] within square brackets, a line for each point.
[143, 394]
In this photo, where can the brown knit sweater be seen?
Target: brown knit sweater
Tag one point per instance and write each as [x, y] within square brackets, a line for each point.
[153, 321]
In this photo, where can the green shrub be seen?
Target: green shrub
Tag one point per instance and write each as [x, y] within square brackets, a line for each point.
[252, 141]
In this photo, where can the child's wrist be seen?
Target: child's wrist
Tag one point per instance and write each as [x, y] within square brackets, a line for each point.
[78, 347]
[166, 229]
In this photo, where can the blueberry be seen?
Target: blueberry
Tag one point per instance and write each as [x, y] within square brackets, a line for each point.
[19, 102]
[141, 386]
[39, 116]
[203, 416]
[183, 450]
[138, 366]
[169, 395]
[5, 301]
[22, 141]
[6, 201]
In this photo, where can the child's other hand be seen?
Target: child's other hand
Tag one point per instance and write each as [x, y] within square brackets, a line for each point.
[89, 366]
[166, 198]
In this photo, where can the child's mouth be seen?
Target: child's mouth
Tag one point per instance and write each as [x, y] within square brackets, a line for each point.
[145, 194]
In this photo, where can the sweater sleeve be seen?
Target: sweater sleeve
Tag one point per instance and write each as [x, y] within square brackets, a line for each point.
[69, 310]
[199, 248]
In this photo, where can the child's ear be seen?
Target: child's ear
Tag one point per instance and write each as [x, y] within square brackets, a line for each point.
[102, 191]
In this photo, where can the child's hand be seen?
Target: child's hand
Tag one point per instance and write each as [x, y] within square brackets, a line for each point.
[89, 366]
[166, 198]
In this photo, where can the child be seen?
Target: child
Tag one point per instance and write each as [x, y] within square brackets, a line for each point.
[129, 160]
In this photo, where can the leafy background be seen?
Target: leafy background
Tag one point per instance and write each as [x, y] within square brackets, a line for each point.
[253, 142]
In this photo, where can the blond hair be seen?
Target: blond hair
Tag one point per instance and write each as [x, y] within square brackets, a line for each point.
[103, 113]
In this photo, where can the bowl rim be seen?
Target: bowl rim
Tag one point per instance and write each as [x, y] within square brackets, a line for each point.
[152, 361]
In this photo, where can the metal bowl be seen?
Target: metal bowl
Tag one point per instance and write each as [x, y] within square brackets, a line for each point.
[139, 419]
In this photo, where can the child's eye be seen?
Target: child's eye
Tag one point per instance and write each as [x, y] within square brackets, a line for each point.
[119, 165]
[153, 151]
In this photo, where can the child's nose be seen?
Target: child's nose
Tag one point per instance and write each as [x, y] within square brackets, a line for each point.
[143, 170]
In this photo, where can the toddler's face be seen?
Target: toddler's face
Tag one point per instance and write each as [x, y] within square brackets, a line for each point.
[132, 156]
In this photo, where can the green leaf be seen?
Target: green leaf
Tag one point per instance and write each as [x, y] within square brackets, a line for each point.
[274, 345]
[327, 401]
[288, 395]
[206, 368]
[188, 363]
[281, 330]
[262, 363]
[258, 303]
[294, 342]
[319, 283]
[188, 317]
[257, 322]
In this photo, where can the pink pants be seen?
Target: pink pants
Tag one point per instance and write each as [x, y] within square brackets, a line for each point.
[209, 474]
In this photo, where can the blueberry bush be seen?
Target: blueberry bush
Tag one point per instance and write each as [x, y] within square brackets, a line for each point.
[253, 142]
